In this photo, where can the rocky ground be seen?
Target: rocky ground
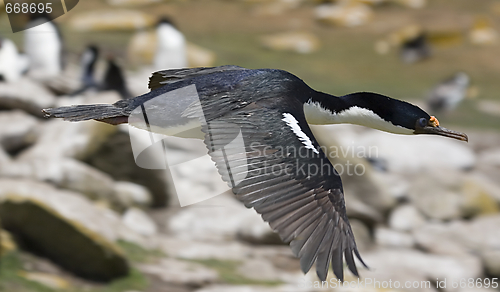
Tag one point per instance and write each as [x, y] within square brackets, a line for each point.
[79, 215]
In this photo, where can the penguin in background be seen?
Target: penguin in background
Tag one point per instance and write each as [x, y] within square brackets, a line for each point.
[113, 78]
[43, 46]
[415, 49]
[448, 94]
[88, 62]
[171, 47]
[12, 64]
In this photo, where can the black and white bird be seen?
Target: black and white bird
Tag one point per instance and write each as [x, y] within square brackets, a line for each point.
[171, 46]
[271, 109]
[113, 79]
[87, 63]
[447, 95]
[43, 45]
[12, 64]
[415, 49]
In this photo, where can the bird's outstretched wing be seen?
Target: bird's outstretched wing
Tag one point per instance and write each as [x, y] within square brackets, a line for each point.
[162, 78]
[284, 175]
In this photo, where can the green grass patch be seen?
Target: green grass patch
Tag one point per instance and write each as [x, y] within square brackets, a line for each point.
[228, 273]
[10, 280]
[134, 281]
[138, 254]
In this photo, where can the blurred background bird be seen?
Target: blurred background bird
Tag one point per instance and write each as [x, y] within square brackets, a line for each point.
[12, 64]
[415, 49]
[114, 79]
[88, 62]
[43, 45]
[448, 94]
[171, 46]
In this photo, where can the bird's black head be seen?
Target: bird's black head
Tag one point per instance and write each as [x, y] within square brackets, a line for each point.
[391, 115]
[93, 49]
[166, 20]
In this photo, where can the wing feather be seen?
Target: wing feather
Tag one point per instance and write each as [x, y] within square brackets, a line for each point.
[306, 209]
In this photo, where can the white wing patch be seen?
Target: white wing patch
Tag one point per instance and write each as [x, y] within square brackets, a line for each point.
[294, 125]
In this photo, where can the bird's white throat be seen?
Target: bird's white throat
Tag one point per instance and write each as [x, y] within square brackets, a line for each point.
[318, 115]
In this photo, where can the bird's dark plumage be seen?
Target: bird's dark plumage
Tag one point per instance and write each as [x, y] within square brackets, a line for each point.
[307, 211]
[280, 171]
[114, 79]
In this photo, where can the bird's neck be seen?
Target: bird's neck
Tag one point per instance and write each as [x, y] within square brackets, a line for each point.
[325, 109]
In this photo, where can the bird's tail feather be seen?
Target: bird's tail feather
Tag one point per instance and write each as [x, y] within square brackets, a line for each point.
[101, 112]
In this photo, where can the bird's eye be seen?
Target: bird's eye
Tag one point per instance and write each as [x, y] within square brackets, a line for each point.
[422, 122]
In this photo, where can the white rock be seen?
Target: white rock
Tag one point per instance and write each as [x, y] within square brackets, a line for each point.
[439, 238]
[437, 203]
[131, 2]
[397, 185]
[416, 4]
[483, 32]
[189, 249]
[299, 42]
[71, 206]
[406, 218]
[274, 8]
[27, 95]
[345, 13]
[258, 269]
[14, 128]
[393, 238]
[404, 153]
[180, 272]
[59, 138]
[411, 265]
[490, 107]
[111, 20]
[65, 173]
[132, 194]
[447, 194]
[67, 82]
[479, 236]
[490, 156]
[217, 219]
[436, 195]
[245, 288]
[140, 222]
[43, 215]
[481, 233]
